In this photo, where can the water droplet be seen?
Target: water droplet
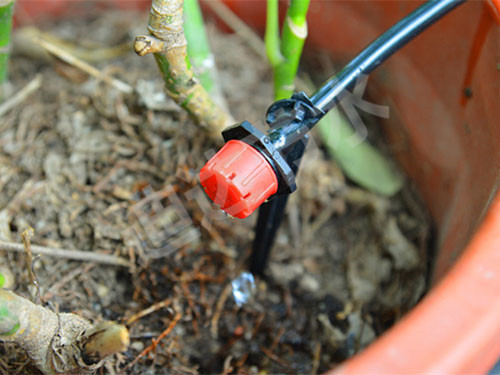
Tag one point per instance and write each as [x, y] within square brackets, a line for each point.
[243, 288]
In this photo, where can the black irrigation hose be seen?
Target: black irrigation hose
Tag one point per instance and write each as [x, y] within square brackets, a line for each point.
[327, 97]
[380, 50]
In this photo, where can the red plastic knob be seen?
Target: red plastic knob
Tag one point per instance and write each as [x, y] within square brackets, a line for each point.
[238, 178]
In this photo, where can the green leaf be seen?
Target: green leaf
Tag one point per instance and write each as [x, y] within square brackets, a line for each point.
[360, 161]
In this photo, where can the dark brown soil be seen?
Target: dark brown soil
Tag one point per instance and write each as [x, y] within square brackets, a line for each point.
[87, 167]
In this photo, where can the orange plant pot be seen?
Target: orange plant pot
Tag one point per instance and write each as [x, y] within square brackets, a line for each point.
[443, 91]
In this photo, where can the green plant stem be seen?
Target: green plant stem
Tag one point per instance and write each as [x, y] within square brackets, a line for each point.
[197, 44]
[272, 36]
[285, 56]
[168, 44]
[6, 12]
[199, 52]
[58, 343]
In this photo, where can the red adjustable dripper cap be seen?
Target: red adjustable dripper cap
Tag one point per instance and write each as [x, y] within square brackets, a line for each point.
[238, 178]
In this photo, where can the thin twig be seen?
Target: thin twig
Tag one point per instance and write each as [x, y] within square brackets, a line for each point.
[316, 358]
[274, 357]
[218, 310]
[239, 27]
[25, 43]
[155, 342]
[194, 313]
[318, 223]
[227, 368]
[82, 65]
[258, 322]
[130, 165]
[80, 270]
[151, 309]
[20, 96]
[86, 256]
[26, 237]
[277, 338]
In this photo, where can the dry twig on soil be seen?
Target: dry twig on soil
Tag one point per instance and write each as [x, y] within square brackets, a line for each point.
[87, 68]
[239, 27]
[85, 256]
[151, 309]
[218, 310]
[155, 342]
[25, 43]
[22, 95]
